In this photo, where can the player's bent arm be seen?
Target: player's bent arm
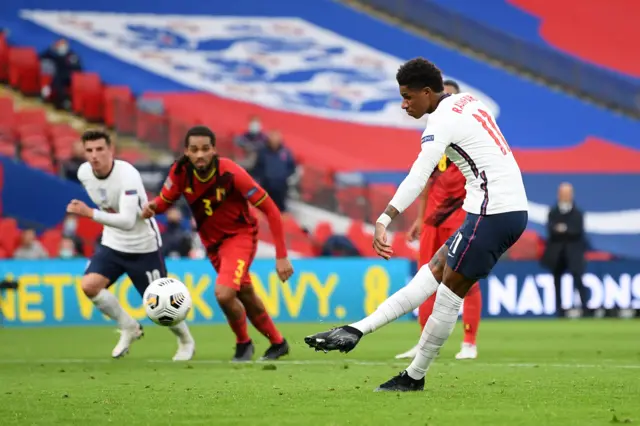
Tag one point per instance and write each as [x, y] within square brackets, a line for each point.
[257, 196]
[170, 192]
[415, 182]
[269, 208]
[126, 218]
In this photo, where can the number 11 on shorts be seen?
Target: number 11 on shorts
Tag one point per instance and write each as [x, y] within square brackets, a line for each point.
[455, 243]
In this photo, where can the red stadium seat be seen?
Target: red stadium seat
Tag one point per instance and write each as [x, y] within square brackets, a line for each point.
[33, 116]
[92, 108]
[10, 235]
[124, 116]
[38, 161]
[24, 70]
[82, 83]
[62, 129]
[50, 239]
[322, 232]
[4, 58]
[360, 238]
[7, 148]
[36, 143]
[63, 146]
[113, 95]
[529, 247]
[401, 248]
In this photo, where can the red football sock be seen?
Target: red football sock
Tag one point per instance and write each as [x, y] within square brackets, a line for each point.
[239, 327]
[471, 314]
[265, 325]
[424, 311]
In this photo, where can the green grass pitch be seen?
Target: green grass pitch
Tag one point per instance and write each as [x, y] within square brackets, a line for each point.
[529, 373]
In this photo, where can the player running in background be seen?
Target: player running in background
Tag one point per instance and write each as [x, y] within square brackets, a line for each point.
[219, 192]
[130, 244]
[461, 127]
[440, 215]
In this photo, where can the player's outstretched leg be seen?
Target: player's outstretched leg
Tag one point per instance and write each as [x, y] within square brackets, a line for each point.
[405, 300]
[471, 320]
[437, 330]
[186, 344]
[94, 287]
[261, 320]
[237, 319]
[424, 312]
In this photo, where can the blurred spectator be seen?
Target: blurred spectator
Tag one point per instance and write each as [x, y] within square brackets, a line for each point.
[451, 87]
[339, 246]
[30, 248]
[198, 250]
[176, 242]
[69, 227]
[274, 166]
[566, 246]
[70, 167]
[251, 142]
[67, 249]
[60, 62]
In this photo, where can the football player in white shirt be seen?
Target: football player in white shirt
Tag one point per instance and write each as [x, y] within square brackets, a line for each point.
[130, 244]
[463, 128]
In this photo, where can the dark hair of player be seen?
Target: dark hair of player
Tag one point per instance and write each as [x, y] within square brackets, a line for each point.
[200, 131]
[453, 84]
[419, 73]
[94, 135]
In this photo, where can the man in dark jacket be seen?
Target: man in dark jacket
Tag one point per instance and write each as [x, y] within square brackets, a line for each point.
[274, 166]
[61, 62]
[566, 246]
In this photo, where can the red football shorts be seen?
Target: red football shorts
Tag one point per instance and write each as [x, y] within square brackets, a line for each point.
[233, 260]
[431, 239]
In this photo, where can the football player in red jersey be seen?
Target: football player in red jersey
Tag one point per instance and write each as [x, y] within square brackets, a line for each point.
[219, 193]
[440, 217]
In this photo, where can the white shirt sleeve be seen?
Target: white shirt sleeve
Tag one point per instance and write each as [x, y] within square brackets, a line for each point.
[128, 205]
[435, 139]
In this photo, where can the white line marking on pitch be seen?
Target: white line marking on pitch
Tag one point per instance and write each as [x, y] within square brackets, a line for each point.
[322, 362]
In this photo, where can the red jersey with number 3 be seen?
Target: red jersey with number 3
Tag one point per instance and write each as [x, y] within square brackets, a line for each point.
[219, 202]
[445, 196]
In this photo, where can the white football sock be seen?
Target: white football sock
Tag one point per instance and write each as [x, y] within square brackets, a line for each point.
[405, 300]
[437, 330]
[109, 305]
[182, 331]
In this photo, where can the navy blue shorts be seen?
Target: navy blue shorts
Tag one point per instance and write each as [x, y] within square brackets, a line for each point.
[142, 268]
[481, 240]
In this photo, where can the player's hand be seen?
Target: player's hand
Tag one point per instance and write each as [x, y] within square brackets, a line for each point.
[415, 230]
[149, 210]
[79, 208]
[380, 242]
[284, 269]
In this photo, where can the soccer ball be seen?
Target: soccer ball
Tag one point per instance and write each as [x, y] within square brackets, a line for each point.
[167, 301]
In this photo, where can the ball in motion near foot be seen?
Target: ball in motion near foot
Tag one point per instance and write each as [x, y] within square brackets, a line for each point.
[167, 301]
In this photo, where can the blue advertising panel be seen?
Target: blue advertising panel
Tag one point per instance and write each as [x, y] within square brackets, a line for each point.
[323, 289]
[331, 290]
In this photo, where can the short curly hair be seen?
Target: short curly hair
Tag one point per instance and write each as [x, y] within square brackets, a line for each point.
[419, 73]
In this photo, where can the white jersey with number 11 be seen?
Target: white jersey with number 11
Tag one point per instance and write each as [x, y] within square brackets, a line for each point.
[467, 132]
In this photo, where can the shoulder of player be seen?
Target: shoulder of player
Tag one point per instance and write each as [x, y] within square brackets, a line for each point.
[228, 165]
[84, 172]
[125, 170]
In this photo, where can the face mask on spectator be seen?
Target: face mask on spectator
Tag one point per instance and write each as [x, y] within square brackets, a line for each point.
[70, 226]
[66, 253]
[62, 48]
[564, 207]
[255, 127]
